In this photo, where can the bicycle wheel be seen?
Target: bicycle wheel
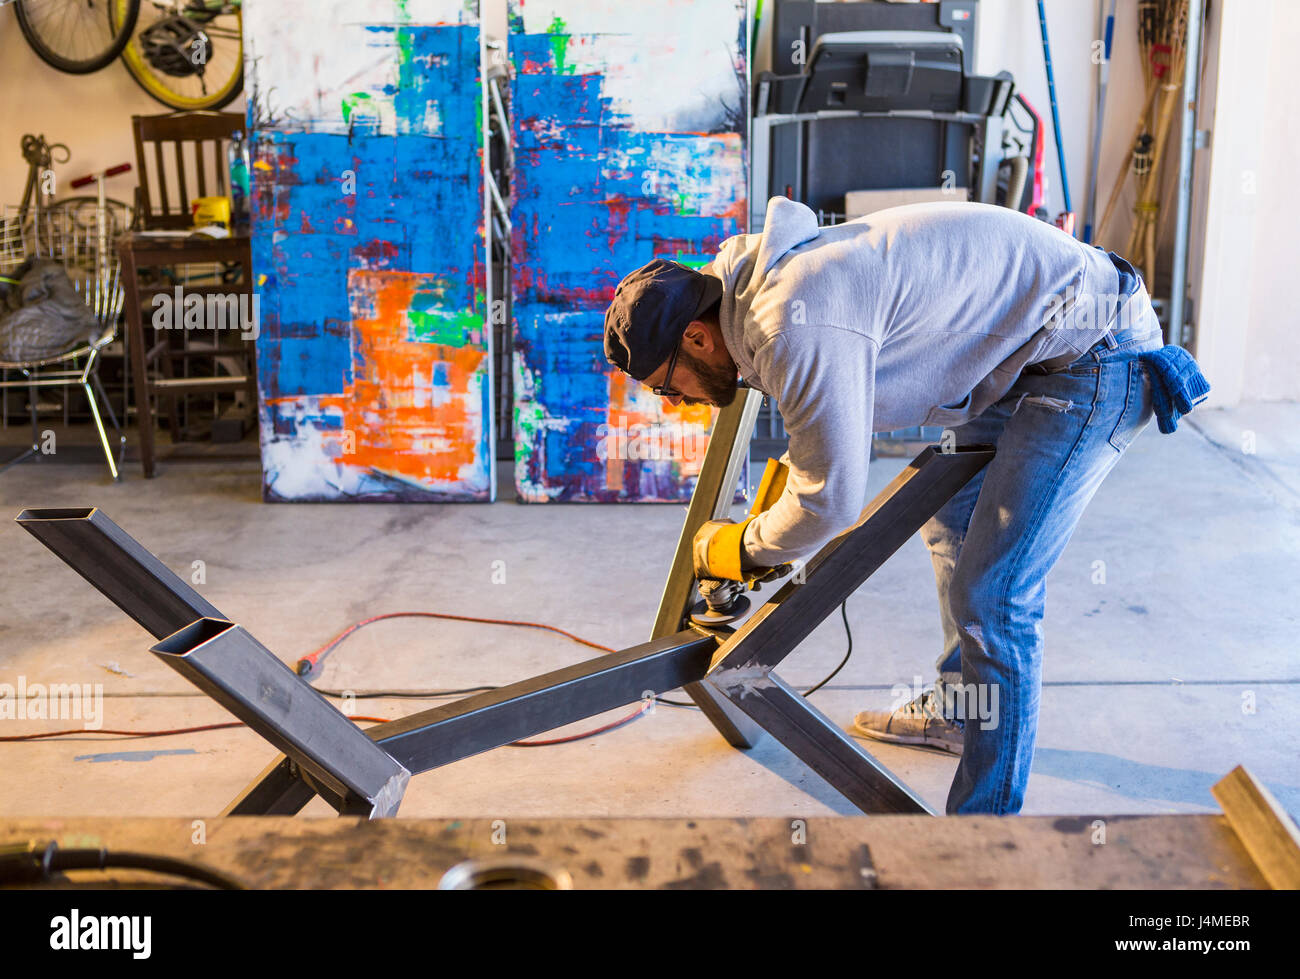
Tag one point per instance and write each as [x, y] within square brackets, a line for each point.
[82, 212]
[177, 82]
[77, 36]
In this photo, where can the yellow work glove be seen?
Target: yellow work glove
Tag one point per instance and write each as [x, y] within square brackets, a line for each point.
[718, 551]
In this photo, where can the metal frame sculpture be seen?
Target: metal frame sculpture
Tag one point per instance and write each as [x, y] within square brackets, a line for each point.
[728, 672]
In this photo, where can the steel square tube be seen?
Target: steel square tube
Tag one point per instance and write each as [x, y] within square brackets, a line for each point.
[238, 672]
[93, 546]
[121, 568]
[442, 735]
[278, 791]
[819, 743]
[715, 488]
[445, 734]
[839, 568]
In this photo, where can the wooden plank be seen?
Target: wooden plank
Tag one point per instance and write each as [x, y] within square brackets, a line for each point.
[1266, 831]
[1089, 852]
[1198, 851]
[180, 176]
[163, 207]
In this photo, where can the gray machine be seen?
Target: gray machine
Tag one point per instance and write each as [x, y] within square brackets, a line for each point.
[873, 95]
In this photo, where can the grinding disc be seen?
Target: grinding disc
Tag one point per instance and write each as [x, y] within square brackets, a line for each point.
[701, 614]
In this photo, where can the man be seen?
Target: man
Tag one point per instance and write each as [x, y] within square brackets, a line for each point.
[966, 316]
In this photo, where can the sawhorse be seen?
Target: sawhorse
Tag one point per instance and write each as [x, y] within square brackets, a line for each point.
[728, 673]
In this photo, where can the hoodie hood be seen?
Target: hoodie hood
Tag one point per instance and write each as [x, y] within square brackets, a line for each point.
[744, 260]
[743, 265]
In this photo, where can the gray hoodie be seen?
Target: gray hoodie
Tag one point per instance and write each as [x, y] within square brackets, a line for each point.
[917, 315]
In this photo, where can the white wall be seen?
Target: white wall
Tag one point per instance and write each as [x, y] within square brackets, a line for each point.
[1248, 322]
[1272, 353]
[90, 113]
[1009, 39]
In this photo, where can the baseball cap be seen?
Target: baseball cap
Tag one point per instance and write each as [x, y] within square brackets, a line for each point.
[651, 309]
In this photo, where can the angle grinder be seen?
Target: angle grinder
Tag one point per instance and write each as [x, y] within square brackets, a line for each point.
[724, 602]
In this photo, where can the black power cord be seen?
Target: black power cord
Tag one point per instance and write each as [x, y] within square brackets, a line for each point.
[844, 614]
[35, 863]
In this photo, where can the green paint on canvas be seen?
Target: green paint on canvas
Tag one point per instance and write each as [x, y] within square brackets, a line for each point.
[559, 45]
[351, 102]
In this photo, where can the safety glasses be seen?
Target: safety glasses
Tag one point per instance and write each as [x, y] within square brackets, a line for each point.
[665, 390]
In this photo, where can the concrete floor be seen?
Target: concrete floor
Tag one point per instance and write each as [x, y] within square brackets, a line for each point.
[1145, 675]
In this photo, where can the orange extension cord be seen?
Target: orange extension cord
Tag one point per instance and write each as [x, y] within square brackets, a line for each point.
[309, 662]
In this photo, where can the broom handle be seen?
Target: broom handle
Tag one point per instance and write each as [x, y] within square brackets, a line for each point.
[1128, 160]
[1144, 228]
[1149, 189]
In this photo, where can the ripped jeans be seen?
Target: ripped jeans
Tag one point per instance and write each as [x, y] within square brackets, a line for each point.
[1057, 435]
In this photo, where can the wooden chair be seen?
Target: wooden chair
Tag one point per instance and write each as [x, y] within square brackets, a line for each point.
[179, 154]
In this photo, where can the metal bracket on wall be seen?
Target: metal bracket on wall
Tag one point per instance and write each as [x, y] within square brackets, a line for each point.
[365, 772]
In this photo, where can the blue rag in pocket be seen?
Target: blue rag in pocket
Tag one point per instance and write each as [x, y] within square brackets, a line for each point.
[1177, 384]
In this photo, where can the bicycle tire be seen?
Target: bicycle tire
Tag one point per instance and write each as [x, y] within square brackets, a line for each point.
[218, 101]
[153, 86]
[78, 66]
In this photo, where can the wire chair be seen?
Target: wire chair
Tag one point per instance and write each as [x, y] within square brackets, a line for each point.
[80, 238]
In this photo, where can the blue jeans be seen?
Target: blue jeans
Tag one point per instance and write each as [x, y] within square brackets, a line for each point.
[1057, 435]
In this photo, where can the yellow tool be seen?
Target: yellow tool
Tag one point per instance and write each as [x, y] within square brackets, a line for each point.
[720, 545]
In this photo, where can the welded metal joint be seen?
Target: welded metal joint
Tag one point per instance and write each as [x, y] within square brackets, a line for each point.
[738, 681]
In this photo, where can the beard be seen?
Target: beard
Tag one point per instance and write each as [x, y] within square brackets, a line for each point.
[719, 383]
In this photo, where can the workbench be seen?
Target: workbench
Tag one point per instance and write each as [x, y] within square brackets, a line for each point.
[845, 852]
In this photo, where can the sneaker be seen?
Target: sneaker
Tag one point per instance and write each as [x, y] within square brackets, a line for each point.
[919, 722]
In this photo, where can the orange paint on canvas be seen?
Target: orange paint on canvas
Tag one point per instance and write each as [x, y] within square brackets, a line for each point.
[390, 422]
